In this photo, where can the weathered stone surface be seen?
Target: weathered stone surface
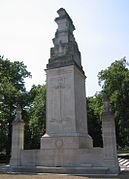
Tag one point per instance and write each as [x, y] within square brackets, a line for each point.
[66, 98]
[65, 51]
[109, 138]
[66, 109]
[63, 157]
[17, 138]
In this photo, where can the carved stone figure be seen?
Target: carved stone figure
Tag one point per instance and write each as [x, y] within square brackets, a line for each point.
[107, 105]
[18, 113]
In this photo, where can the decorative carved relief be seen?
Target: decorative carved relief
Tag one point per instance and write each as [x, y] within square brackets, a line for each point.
[59, 143]
[60, 83]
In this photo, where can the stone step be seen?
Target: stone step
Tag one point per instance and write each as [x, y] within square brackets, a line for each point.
[63, 170]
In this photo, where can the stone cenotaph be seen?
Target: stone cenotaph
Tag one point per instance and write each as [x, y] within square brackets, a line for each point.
[66, 147]
[66, 126]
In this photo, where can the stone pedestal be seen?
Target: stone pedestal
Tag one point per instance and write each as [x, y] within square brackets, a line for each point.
[66, 109]
[17, 139]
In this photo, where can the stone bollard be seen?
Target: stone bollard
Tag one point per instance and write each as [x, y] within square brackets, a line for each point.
[17, 138]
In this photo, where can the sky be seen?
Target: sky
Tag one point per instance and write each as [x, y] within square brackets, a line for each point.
[27, 28]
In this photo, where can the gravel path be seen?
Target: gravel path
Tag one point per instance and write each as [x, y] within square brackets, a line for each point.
[123, 175]
[44, 176]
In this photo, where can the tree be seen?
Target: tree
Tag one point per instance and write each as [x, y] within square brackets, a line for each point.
[12, 91]
[36, 125]
[94, 111]
[115, 83]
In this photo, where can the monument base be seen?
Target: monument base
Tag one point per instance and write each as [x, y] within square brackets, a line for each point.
[87, 171]
[68, 141]
[72, 161]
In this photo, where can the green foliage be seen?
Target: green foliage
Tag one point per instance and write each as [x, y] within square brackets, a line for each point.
[94, 111]
[37, 116]
[115, 83]
[12, 91]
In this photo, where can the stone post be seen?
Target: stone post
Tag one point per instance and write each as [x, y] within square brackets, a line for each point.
[17, 138]
[109, 138]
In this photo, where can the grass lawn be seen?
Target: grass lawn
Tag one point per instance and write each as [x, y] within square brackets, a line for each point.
[123, 175]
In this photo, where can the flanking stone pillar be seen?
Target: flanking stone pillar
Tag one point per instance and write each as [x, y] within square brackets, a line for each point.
[109, 138]
[17, 138]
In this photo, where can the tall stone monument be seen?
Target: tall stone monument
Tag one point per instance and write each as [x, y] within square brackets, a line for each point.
[66, 99]
[66, 147]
